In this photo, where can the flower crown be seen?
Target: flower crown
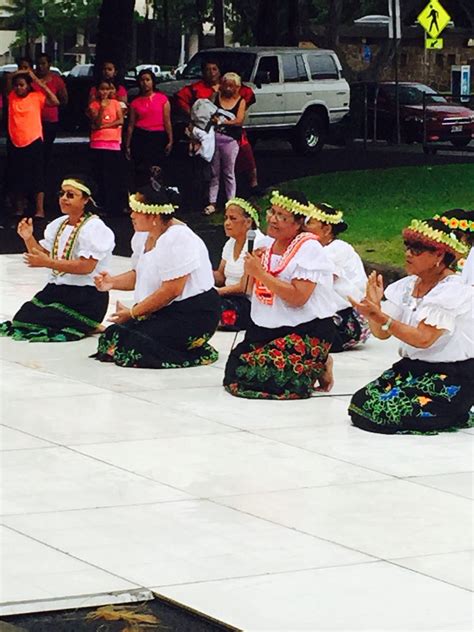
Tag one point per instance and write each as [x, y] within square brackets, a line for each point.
[326, 218]
[246, 207]
[152, 209]
[454, 223]
[441, 239]
[292, 206]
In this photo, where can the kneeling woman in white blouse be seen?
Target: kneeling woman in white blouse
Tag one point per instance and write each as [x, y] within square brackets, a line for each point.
[352, 329]
[431, 312]
[286, 346]
[176, 307]
[76, 246]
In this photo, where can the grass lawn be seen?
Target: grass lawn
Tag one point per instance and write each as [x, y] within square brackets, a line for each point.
[378, 204]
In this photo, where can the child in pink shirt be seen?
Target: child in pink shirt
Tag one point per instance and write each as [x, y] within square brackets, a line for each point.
[106, 116]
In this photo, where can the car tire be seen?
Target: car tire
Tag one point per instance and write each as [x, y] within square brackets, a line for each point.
[460, 142]
[309, 135]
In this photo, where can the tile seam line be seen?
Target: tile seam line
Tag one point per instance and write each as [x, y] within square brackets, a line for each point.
[74, 557]
[312, 535]
[369, 469]
[424, 574]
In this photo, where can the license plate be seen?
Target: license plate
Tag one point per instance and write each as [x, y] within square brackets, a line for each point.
[456, 128]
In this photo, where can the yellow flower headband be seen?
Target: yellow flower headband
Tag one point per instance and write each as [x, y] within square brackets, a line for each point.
[77, 185]
[246, 207]
[449, 241]
[292, 206]
[454, 223]
[326, 218]
[151, 209]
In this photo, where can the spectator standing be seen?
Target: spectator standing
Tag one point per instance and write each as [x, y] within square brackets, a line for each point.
[109, 72]
[25, 140]
[149, 136]
[106, 118]
[229, 118]
[50, 113]
[206, 88]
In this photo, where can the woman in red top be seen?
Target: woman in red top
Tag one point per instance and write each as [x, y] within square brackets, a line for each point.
[149, 134]
[106, 116]
[25, 175]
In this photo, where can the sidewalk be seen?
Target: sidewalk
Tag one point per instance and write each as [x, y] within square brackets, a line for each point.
[264, 515]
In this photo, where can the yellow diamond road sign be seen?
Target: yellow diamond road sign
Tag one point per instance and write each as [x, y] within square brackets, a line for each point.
[434, 18]
[434, 43]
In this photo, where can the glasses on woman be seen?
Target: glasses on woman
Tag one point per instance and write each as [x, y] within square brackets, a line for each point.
[418, 247]
[278, 216]
[69, 195]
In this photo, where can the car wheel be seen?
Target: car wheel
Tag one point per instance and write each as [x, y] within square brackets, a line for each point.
[460, 142]
[308, 135]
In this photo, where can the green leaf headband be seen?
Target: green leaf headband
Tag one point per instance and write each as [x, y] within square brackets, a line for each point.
[246, 207]
[151, 209]
[465, 225]
[292, 206]
[420, 227]
[326, 218]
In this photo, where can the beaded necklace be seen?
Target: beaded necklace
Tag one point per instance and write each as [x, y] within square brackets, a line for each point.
[263, 294]
[71, 242]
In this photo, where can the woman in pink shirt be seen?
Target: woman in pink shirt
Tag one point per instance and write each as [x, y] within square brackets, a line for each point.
[50, 113]
[106, 116]
[149, 134]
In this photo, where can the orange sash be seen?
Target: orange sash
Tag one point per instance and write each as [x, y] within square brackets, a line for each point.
[263, 294]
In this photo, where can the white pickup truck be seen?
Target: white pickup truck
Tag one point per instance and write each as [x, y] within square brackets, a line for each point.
[299, 92]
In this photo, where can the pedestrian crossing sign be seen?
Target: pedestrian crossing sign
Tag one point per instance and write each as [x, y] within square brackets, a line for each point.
[434, 18]
[434, 43]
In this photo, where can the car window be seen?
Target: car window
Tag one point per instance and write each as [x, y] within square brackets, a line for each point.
[269, 66]
[294, 68]
[229, 61]
[413, 95]
[322, 67]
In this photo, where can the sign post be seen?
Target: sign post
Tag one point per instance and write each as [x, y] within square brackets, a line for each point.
[395, 33]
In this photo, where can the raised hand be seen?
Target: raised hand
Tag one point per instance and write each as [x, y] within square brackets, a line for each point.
[374, 290]
[25, 228]
[252, 265]
[103, 282]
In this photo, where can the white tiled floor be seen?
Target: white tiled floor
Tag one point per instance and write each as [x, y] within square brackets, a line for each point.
[267, 515]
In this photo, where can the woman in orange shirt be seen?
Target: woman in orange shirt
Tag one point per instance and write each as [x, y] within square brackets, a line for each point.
[25, 140]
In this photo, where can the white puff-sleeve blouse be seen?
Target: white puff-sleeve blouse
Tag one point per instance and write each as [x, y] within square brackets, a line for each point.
[351, 279]
[94, 240]
[448, 306]
[309, 263]
[178, 252]
[467, 273]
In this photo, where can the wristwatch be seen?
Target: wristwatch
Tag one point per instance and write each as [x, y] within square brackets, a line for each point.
[387, 324]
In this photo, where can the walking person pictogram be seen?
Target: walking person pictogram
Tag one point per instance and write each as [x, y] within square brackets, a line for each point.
[433, 15]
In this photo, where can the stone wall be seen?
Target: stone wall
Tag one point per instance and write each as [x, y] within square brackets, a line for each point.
[432, 67]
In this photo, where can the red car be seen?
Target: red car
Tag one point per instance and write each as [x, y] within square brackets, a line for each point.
[445, 121]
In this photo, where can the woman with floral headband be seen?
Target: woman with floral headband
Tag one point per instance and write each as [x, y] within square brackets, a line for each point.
[286, 346]
[74, 249]
[350, 278]
[240, 217]
[462, 224]
[431, 313]
[176, 307]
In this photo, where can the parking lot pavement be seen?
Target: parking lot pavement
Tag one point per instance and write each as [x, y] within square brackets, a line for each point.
[262, 514]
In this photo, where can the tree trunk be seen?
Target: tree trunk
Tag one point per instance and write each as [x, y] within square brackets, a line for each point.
[115, 34]
[219, 22]
[293, 8]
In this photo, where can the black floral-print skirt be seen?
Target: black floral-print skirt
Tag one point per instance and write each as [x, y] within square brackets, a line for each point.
[416, 397]
[282, 363]
[174, 337]
[58, 313]
[235, 312]
[352, 329]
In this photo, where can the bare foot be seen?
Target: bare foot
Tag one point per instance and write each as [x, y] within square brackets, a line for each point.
[326, 379]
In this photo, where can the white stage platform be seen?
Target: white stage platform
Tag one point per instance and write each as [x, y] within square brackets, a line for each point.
[265, 515]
